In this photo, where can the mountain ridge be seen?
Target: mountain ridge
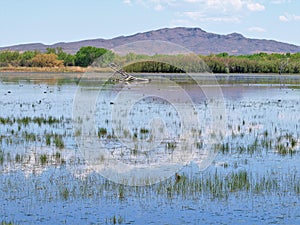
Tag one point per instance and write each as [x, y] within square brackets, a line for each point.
[195, 39]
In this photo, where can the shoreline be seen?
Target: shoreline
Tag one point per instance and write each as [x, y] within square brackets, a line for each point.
[204, 79]
[68, 69]
[81, 70]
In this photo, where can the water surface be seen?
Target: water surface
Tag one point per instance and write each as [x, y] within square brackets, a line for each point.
[254, 178]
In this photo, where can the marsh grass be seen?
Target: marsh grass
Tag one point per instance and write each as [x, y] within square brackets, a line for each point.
[262, 142]
[1, 157]
[27, 120]
[43, 159]
[171, 145]
[144, 131]
[115, 220]
[297, 187]
[24, 130]
[77, 133]
[48, 139]
[57, 155]
[29, 136]
[215, 185]
[102, 131]
[58, 141]
[7, 223]
[18, 158]
[65, 194]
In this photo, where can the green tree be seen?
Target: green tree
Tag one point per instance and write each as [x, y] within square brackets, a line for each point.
[51, 51]
[26, 57]
[9, 58]
[86, 55]
[68, 59]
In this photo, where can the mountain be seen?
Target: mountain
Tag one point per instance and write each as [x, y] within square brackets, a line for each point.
[194, 39]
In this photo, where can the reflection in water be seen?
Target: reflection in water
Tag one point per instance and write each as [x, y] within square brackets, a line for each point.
[147, 131]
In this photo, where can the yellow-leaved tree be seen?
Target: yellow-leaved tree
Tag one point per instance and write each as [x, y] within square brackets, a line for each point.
[46, 60]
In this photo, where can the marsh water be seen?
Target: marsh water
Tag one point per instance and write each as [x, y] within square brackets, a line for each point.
[251, 175]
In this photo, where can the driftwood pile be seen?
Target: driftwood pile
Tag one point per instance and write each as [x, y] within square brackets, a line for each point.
[121, 76]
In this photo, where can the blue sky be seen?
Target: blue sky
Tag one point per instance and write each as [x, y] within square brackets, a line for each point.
[45, 21]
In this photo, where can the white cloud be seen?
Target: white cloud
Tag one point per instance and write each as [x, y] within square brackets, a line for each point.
[215, 6]
[289, 17]
[295, 17]
[158, 7]
[204, 18]
[127, 1]
[221, 19]
[255, 7]
[193, 1]
[256, 29]
[229, 5]
[193, 15]
[205, 10]
[183, 22]
[225, 5]
[283, 18]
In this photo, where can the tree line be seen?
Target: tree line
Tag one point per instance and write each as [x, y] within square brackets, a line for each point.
[53, 57]
[220, 63]
[255, 63]
[216, 63]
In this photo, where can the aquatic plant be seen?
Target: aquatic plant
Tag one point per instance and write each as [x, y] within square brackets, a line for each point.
[18, 158]
[48, 139]
[43, 159]
[57, 156]
[29, 136]
[283, 149]
[102, 131]
[77, 133]
[65, 193]
[7, 223]
[171, 145]
[144, 131]
[58, 141]
[115, 220]
[1, 157]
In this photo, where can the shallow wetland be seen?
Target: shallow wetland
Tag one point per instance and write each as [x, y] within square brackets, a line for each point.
[46, 178]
